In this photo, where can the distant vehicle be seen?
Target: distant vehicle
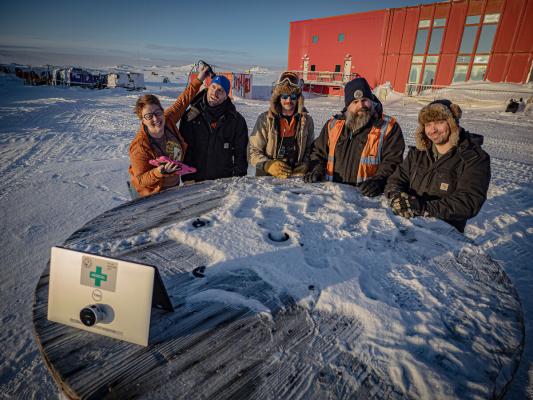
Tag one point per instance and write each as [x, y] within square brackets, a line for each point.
[73, 76]
[101, 80]
[128, 80]
[33, 76]
[80, 77]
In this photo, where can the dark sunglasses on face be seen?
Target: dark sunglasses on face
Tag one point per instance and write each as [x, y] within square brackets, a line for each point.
[293, 96]
[149, 116]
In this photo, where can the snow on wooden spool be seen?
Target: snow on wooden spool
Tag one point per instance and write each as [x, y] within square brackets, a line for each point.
[356, 303]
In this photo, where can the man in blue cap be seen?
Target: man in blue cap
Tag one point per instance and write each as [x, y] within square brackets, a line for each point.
[216, 134]
[360, 146]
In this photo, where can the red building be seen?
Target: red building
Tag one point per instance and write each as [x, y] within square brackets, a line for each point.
[428, 44]
[240, 83]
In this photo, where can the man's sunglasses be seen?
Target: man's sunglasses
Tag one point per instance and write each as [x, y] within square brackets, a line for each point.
[293, 96]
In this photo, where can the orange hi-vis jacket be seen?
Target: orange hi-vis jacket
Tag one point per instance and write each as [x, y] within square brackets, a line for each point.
[371, 155]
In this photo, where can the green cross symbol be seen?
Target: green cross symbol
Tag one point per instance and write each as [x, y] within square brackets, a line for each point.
[98, 276]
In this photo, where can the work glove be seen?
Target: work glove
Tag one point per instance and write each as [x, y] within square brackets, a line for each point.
[372, 187]
[407, 206]
[300, 169]
[315, 175]
[278, 168]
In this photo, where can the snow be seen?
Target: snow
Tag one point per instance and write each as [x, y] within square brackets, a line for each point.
[179, 74]
[64, 155]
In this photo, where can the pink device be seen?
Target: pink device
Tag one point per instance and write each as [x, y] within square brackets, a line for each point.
[182, 168]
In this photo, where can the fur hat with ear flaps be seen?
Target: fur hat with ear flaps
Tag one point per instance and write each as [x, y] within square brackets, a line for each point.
[438, 110]
[284, 87]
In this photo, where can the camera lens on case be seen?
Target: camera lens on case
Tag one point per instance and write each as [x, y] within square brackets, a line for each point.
[91, 315]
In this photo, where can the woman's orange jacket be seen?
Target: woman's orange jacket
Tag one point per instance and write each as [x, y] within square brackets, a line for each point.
[145, 178]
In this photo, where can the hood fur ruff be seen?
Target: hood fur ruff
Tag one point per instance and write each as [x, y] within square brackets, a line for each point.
[436, 112]
[275, 105]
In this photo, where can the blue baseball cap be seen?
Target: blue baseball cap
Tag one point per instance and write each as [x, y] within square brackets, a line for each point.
[222, 81]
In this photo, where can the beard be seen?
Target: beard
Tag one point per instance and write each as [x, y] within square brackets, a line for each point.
[358, 120]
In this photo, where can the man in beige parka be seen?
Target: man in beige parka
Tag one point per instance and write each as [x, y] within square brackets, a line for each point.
[281, 140]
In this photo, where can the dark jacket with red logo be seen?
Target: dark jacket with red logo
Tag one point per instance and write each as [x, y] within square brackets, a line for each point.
[216, 150]
[454, 187]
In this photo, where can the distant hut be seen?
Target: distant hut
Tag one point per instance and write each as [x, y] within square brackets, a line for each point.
[124, 79]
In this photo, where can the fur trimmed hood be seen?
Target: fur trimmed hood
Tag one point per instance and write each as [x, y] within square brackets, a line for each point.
[284, 87]
[436, 111]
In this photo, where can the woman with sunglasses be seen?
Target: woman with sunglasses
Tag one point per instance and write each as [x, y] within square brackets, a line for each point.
[281, 140]
[158, 136]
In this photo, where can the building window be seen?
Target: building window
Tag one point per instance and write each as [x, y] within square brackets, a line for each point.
[472, 19]
[312, 67]
[429, 74]
[491, 18]
[426, 56]
[477, 53]
[340, 38]
[337, 68]
[421, 41]
[481, 59]
[478, 72]
[486, 38]
[414, 73]
[469, 36]
[315, 38]
[459, 74]
[436, 41]
[439, 22]
[428, 77]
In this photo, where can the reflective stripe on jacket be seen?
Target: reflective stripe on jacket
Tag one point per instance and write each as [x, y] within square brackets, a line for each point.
[371, 155]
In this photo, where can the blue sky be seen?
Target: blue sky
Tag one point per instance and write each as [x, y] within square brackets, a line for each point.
[98, 33]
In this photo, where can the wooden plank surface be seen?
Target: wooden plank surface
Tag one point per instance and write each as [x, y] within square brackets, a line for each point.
[208, 349]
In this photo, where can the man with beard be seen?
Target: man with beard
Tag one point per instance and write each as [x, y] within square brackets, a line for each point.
[361, 146]
[447, 175]
[216, 134]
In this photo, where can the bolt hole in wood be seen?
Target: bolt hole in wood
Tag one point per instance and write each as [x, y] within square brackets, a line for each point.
[199, 223]
[278, 236]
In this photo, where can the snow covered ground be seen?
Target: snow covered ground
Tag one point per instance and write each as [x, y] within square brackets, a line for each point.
[64, 154]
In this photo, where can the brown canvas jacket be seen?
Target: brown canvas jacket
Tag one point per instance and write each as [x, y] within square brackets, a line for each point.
[264, 140]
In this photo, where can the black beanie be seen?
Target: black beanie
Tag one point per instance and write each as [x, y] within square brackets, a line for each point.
[356, 89]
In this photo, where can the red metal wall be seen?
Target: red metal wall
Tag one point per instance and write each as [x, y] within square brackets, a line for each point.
[363, 36]
[381, 42]
[513, 45]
